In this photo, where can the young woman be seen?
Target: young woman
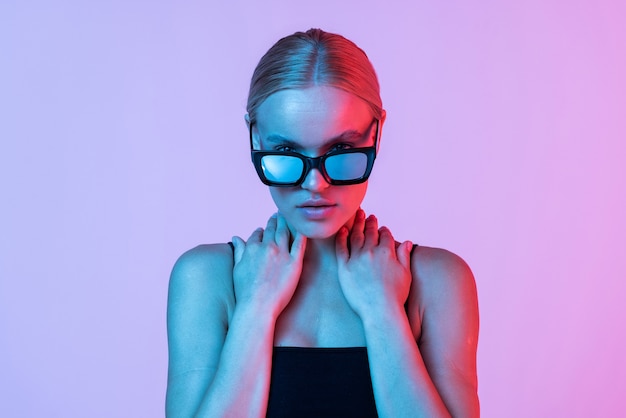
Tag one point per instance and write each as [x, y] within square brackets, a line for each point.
[322, 313]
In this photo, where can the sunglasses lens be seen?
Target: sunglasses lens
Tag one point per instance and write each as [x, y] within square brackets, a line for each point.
[345, 167]
[282, 168]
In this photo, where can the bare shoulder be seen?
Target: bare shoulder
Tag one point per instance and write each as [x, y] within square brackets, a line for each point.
[205, 267]
[440, 263]
[200, 303]
[443, 291]
[211, 255]
[442, 274]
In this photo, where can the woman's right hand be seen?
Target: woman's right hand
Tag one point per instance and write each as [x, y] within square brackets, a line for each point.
[267, 269]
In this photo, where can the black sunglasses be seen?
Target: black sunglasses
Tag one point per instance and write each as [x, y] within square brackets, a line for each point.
[338, 167]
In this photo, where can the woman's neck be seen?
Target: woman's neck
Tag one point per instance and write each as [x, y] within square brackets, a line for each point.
[321, 251]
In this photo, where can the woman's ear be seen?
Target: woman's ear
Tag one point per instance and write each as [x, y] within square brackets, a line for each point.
[383, 117]
[254, 136]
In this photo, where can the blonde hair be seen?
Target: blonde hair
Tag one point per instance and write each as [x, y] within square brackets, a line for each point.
[311, 58]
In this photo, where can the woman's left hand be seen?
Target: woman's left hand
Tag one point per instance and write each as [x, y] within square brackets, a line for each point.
[374, 275]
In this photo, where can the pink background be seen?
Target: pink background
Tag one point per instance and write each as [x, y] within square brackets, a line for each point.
[123, 144]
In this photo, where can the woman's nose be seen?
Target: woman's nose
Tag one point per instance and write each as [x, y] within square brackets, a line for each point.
[314, 181]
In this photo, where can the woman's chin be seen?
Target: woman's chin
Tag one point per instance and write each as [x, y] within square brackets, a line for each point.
[315, 231]
[320, 237]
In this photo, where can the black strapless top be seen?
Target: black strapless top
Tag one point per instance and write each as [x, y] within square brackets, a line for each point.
[321, 382]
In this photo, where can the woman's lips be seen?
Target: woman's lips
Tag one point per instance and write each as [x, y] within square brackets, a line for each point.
[317, 210]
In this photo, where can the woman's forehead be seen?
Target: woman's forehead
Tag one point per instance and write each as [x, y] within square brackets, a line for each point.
[320, 112]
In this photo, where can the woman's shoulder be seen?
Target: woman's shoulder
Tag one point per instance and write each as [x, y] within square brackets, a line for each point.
[437, 266]
[443, 311]
[196, 260]
[442, 283]
[199, 307]
[203, 272]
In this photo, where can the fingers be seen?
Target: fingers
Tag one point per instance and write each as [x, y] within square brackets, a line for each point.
[270, 230]
[282, 232]
[277, 231]
[239, 246]
[403, 253]
[341, 245]
[364, 232]
[298, 246]
[256, 236]
[371, 232]
[357, 238]
[386, 238]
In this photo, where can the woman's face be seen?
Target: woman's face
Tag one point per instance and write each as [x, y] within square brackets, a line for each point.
[313, 121]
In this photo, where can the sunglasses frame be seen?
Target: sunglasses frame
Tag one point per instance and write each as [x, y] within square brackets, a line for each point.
[310, 163]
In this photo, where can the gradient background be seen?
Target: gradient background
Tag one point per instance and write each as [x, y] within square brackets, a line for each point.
[123, 144]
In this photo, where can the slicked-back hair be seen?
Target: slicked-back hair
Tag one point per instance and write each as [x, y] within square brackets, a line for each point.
[313, 58]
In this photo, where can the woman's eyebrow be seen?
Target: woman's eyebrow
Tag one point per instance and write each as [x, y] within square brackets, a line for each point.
[279, 139]
[353, 136]
[349, 135]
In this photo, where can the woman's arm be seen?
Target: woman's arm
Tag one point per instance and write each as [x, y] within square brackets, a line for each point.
[443, 295]
[219, 367]
[438, 377]
[210, 370]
